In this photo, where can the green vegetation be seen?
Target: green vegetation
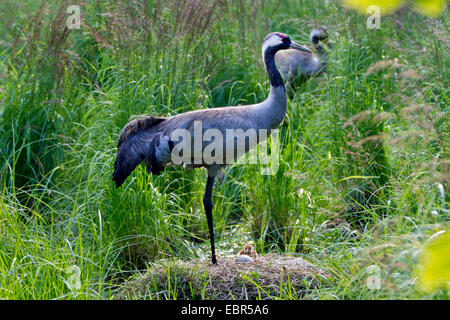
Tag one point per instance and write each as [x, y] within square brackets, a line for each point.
[363, 179]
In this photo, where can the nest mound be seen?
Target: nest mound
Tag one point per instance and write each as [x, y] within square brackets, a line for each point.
[267, 277]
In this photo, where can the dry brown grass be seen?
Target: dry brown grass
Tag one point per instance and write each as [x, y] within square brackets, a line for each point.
[267, 277]
[383, 65]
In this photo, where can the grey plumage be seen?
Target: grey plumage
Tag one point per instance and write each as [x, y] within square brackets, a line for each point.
[295, 64]
[149, 140]
[137, 143]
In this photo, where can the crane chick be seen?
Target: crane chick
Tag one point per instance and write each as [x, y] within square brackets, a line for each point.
[247, 254]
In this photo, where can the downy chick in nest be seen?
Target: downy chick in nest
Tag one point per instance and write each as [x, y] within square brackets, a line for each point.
[248, 251]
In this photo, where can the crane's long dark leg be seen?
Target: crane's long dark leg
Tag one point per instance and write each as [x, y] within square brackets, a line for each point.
[208, 205]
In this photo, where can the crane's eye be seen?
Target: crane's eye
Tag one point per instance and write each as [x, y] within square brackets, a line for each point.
[284, 37]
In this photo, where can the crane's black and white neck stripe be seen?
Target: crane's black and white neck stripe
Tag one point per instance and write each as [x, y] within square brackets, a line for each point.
[273, 109]
[274, 42]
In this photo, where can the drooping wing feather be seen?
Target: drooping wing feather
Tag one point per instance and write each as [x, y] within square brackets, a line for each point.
[138, 142]
[138, 125]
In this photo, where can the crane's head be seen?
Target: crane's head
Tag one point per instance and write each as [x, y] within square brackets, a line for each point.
[319, 35]
[279, 41]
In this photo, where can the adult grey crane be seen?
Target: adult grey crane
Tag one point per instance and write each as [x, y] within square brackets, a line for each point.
[151, 140]
[297, 64]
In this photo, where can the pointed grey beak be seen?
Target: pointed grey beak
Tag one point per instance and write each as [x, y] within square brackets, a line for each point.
[299, 47]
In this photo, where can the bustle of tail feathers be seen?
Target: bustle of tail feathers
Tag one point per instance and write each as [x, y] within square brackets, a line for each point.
[137, 125]
[136, 144]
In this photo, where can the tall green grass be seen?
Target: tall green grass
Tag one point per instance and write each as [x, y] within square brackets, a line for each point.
[363, 155]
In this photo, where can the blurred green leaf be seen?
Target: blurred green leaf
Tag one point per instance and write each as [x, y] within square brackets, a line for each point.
[432, 8]
[435, 263]
[386, 6]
